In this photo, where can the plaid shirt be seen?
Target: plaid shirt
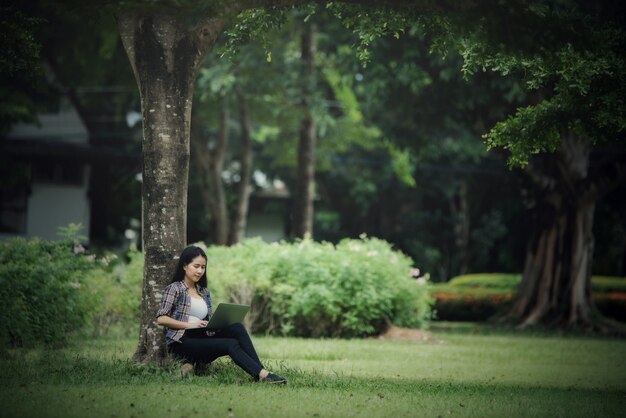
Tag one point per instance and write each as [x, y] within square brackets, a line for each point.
[176, 303]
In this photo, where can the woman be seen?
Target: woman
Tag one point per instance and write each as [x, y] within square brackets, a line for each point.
[186, 303]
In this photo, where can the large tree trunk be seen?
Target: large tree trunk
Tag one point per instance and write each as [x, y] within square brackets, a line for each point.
[305, 186]
[556, 284]
[555, 289]
[165, 56]
[238, 229]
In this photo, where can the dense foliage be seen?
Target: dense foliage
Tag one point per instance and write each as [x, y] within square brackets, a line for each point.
[304, 289]
[52, 290]
[40, 291]
[114, 296]
[351, 289]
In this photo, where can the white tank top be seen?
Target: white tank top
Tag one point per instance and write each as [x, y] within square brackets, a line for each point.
[198, 309]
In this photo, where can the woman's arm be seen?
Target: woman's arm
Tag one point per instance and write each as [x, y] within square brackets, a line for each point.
[174, 324]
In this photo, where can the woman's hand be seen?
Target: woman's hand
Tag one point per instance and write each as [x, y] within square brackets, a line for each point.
[174, 324]
[197, 324]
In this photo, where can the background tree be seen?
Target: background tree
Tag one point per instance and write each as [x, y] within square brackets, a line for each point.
[238, 79]
[426, 193]
[210, 165]
[574, 65]
[305, 184]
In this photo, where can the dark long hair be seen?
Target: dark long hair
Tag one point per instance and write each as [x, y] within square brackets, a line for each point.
[186, 257]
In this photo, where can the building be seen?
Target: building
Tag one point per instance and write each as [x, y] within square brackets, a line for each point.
[51, 179]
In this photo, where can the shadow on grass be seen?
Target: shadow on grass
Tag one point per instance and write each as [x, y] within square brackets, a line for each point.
[502, 329]
[52, 368]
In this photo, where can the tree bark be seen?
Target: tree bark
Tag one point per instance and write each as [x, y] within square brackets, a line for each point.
[556, 284]
[238, 229]
[165, 56]
[305, 182]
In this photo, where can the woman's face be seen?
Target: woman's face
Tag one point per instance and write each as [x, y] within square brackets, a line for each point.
[195, 269]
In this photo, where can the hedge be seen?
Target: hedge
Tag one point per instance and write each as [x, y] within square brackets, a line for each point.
[477, 297]
[40, 291]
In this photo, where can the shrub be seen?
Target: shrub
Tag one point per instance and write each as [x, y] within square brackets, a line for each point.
[608, 284]
[500, 281]
[510, 282]
[470, 306]
[317, 289]
[40, 285]
[114, 295]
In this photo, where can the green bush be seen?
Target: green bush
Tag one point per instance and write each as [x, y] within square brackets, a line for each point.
[608, 284]
[114, 295]
[500, 281]
[474, 305]
[317, 289]
[510, 282]
[40, 284]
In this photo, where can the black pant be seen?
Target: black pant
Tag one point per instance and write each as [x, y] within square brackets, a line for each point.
[232, 341]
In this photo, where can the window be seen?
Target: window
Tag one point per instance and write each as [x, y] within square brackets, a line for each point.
[67, 172]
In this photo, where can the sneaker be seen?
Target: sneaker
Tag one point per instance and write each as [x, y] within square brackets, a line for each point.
[274, 378]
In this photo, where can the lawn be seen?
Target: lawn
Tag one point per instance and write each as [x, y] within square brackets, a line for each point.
[453, 374]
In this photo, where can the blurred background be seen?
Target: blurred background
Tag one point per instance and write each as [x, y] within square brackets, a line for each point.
[399, 153]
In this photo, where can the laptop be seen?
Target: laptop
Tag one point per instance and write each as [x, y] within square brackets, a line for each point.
[225, 314]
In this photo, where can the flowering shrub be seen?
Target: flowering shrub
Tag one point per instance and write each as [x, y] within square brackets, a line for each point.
[473, 306]
[40, 288]
[315, 289]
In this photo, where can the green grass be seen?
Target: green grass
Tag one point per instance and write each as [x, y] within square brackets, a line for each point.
[456, 374]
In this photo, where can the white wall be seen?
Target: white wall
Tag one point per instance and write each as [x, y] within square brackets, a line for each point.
[267, 226]
[51, 206]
